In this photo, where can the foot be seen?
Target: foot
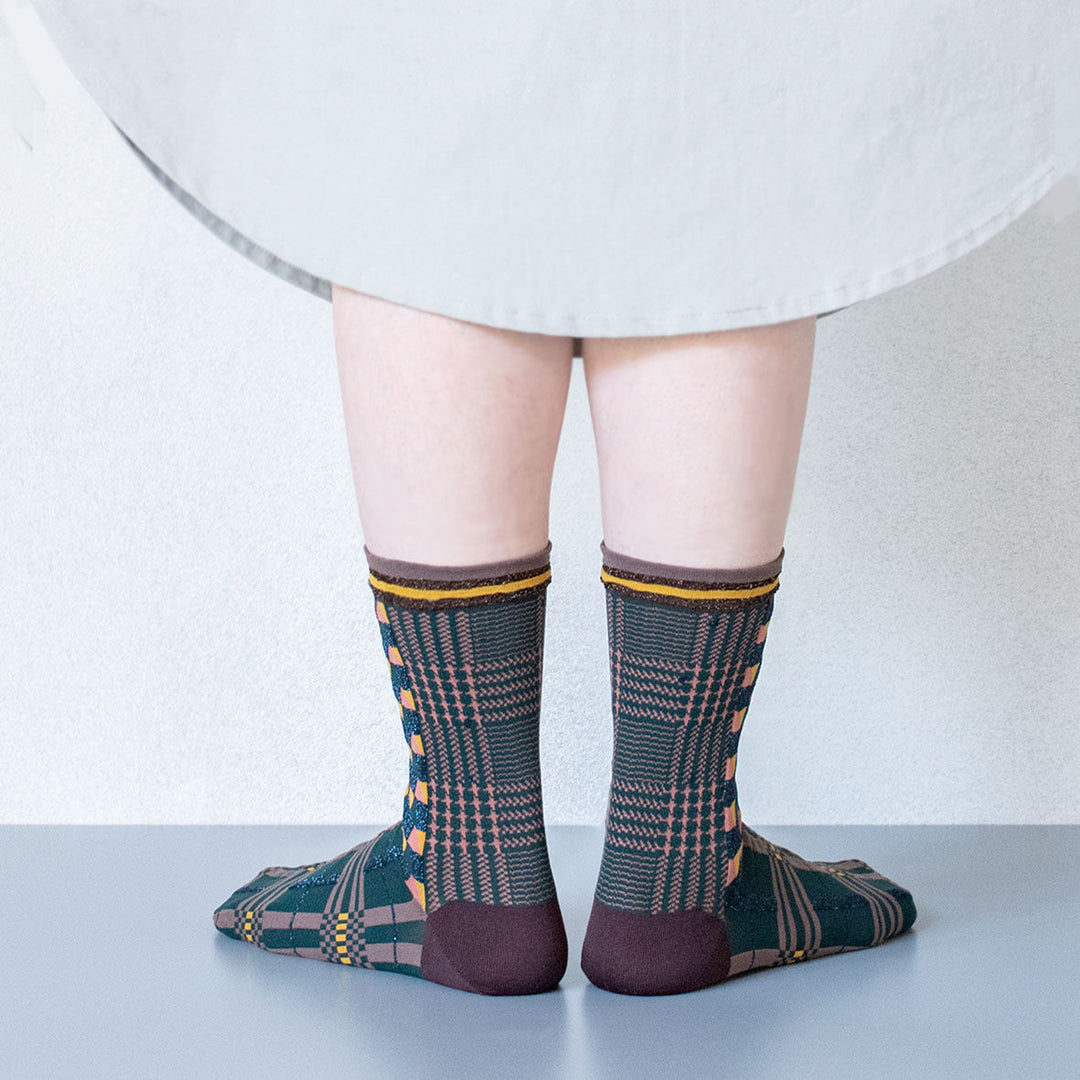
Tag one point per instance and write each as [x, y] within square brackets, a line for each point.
[352, 909]
[687, 895]
[460, 890]
[359, 908]
[779, 909]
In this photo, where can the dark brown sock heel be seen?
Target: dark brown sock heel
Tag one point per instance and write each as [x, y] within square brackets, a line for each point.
[631, 952]
[495, 948]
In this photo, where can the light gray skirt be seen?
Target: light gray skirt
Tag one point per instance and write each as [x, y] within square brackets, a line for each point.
[602, 169]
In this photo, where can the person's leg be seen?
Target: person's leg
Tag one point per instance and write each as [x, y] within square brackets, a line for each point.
[452, 430]
[698, 439]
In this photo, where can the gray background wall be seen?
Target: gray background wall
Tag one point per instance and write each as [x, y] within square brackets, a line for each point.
[186, 632]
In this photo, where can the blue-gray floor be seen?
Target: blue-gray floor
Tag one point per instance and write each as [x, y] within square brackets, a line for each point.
[111, 967]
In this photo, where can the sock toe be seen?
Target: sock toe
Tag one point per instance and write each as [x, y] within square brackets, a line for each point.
[239, 915]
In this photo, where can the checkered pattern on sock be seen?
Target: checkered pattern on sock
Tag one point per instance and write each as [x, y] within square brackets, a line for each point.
[471, 651]
[685, 649]
[460, 890]
[684, 660]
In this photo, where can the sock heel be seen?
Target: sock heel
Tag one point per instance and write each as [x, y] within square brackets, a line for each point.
[496, 949]
[632, 952]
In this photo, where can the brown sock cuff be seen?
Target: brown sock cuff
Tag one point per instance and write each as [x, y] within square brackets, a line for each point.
[689, 586]
[613, 560]
[426, 572]
[423, 585]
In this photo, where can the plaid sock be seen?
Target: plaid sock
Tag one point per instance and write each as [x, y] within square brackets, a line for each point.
[460, 890]
[687, 894]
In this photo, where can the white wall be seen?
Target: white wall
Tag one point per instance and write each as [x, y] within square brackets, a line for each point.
[186, 631]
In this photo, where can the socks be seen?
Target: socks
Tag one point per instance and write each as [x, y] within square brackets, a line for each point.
[459, 891]
[688, 895]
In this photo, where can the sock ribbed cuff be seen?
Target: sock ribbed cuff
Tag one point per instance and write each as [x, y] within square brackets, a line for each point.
[685, 586]
[427, 586]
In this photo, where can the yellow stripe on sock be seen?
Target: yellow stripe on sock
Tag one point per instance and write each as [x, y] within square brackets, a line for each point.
[459, 593]
[729, 592]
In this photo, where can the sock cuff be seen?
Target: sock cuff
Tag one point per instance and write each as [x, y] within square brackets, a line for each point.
[689, 586]
[424, 585]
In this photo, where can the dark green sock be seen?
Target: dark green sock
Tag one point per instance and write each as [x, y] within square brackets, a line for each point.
[687, 894]
[460, 890]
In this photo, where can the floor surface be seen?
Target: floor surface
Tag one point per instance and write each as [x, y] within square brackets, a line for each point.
[111, 967]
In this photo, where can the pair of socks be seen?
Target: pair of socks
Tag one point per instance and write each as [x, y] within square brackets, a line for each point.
[460, 890]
